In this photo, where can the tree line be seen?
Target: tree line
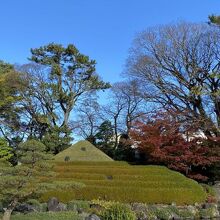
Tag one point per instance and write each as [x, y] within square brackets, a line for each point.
[166, 108]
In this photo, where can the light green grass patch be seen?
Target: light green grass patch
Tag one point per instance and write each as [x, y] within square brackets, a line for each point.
[47, 216]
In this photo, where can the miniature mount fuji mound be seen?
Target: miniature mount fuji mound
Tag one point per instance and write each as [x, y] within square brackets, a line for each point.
[82, 151]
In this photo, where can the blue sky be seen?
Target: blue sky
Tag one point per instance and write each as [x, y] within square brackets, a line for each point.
[102, 29]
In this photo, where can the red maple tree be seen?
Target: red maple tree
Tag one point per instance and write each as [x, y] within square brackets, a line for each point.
[167, 141]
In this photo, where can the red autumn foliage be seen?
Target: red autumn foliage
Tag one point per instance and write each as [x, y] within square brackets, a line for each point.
[166, 141]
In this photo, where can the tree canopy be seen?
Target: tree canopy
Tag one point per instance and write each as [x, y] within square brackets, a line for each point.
[178, 65]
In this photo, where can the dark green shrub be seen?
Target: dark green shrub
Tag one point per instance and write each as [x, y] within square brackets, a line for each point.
[67, 158]
[1, 206]
[43, 207]
[185, 214]
[34, 203]
[163, 213]
[78, 204]
[118, 211]
[207, 213]
[210, 191]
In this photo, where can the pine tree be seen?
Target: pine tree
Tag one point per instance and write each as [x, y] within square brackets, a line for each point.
[32, 177]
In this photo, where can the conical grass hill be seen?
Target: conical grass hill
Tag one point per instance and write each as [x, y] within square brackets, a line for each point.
[82, 151]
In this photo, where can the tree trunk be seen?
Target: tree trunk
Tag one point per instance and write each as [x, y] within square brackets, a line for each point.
[116, 132]
[7, 214]
[9, 210]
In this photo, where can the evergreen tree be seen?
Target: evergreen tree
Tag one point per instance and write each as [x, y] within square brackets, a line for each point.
[30, 178]
[104, 138]
[5, 150]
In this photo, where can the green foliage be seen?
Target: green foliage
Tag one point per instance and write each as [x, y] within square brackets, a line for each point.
[10, 85]
[57, 139]
[1, 206]
[214, 19]
[74, 205]
[5, 150]
[207, 213]
[48, 216]
[35, 203]
[163, 213]
[124, 150]
[71, 75]
[185, 214]
[43, 207]
[67, 158]
[118, 211]
[147, 184]
[23, 180]
[32, 152]
[5, 67]
[103, 138]
[105, 133]
[210, 191]
[31, 178]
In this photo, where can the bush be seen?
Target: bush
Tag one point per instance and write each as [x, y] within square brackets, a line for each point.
[208, 213]
[67, 158]
[43, 207]
[74, 205]
[118, 211]
[1, 206]
[163, 213]
[35, 203]
[210, 191]
[185, 214]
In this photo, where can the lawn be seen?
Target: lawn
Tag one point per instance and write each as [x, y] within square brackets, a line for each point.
[119, 181]
[47, 216]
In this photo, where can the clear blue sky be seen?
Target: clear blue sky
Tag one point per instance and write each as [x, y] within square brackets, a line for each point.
[102, 29]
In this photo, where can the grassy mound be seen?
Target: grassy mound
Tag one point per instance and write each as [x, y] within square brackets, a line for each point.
[121, 182]
[82, 151]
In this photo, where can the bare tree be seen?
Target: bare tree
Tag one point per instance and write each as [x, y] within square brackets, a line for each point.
[133, 107]
[179, 67]
[125, 105]
[112, 112]
[88, 118]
